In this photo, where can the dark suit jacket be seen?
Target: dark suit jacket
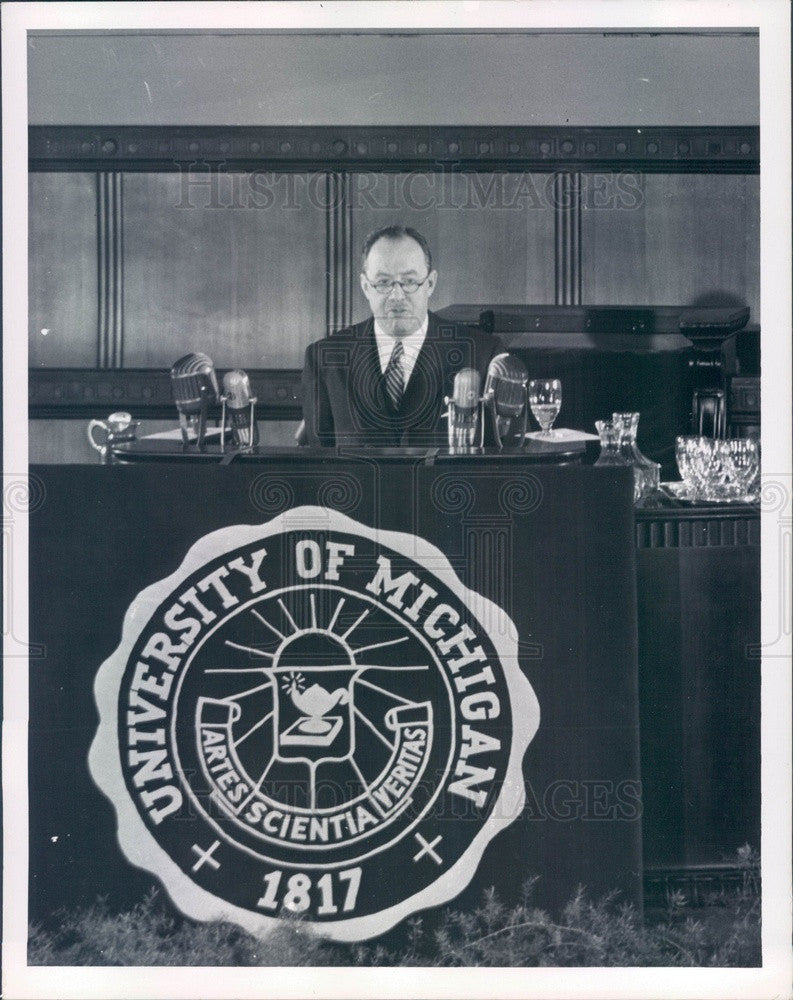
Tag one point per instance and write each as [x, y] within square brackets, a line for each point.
[344, 400]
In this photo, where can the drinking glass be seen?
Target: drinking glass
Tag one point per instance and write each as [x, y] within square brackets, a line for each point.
[745, 459]
[689, 453]
[545, 400]
[720, 479]
[716, 470]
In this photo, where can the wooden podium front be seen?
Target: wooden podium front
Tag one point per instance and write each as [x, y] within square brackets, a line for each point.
[550, 546]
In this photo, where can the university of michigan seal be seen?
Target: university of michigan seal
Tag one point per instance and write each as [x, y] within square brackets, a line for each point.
[312, 717]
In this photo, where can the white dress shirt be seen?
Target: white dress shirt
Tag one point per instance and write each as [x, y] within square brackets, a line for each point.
[412, 344]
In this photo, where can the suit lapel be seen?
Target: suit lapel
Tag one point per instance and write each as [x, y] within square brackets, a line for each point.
[426, 383]
[366, 360]
[368, 388]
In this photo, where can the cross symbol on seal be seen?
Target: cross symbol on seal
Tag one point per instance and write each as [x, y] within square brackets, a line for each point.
[428, 849]
[205, 857]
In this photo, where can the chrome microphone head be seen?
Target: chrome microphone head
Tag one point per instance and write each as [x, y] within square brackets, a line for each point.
[194, 383]
[237, 389]
[465, 391]
[505, 384]
[239, 407]
[195, 388]
[464, 410]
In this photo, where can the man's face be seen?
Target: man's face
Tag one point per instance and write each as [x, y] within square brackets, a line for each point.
[398, 312]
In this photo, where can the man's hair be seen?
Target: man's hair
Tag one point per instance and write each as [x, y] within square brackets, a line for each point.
[396, 233]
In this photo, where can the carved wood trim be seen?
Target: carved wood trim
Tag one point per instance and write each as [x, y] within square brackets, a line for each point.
[668, 149]
[339, 252]
[698, 528]
[697, 882]
[82, 393]
[110, 269]
[567, 221]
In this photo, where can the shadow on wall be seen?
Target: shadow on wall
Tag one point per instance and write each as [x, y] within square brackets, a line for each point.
[719, 298]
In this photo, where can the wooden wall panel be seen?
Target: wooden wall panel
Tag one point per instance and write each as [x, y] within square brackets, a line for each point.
[250, 267]
[62, 270]
[236, 270]
[492, 235]
[691, 239]
[64, 442]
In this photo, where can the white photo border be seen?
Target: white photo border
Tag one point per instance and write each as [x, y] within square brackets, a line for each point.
[772, 18]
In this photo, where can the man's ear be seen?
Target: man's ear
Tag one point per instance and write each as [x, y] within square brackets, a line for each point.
[431, 282]
[363, 282]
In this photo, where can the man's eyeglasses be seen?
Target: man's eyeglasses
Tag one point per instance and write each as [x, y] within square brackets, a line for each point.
[408, 286]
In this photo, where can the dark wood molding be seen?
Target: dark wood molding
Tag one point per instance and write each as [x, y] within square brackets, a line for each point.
[83, 393]
[567, 220]
[520, 318]
[698, 883]
[697, 527]
[338, 252]
[110, 268]
[666, 149]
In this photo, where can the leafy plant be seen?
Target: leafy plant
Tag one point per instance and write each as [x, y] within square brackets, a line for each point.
[602, 932]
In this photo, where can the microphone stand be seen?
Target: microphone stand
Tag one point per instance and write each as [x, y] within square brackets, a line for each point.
[462, 435]
[510, 430]
[251, 425]
[197, 421]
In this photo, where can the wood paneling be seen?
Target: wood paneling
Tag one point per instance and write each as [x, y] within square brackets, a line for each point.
[339, 252]
[251, 267]
[110, 205]
[547, 148]
[567, 253]
[65, 442]
[492, 235]
[147, 392]
[229, 264]
[699, 689]
[62, 270]
[671, 238]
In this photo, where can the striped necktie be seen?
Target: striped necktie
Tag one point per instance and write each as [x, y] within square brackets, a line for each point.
[394, 376]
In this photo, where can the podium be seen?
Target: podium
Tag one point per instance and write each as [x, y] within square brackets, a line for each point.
[551, 545]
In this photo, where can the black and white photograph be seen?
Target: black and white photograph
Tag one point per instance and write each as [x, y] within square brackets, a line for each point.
[397, 499]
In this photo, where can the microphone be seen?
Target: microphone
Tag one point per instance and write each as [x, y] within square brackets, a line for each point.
[240, 403]
[463, 409]
[194, 386]
[505, 399]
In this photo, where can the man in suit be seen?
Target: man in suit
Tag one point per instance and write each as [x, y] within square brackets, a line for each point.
[382, 382]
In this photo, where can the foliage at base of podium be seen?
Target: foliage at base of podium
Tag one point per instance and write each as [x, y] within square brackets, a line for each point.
[587, 933]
